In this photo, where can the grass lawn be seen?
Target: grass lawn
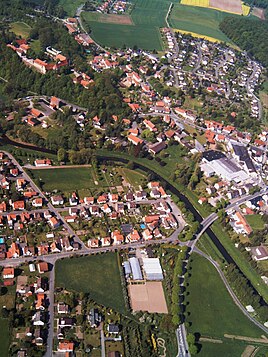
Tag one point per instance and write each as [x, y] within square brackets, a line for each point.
[147, 16]
[212, 311]
[255, 221]
[133, 177]
[65, 180]
[20, 29]
[226, 349]
[198, 20]
[4, 338]
[97, 275]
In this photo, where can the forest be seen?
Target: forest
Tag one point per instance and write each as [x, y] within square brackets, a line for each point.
[251, 35]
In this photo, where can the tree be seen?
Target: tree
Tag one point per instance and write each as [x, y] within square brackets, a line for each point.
[62, 155]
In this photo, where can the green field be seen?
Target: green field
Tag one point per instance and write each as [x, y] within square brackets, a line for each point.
[199, 20]
[226, 349]
[97, 275]
[147, 16]
[65, 180]
[4, 338]
[70, 6]
[255, 221]
[20, 29]
[212, 311]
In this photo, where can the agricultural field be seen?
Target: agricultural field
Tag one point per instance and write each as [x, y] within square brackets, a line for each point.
[231, 6]
[147, 17]
[20, 29]
[206, 286]
[97, 275]
[206, 22]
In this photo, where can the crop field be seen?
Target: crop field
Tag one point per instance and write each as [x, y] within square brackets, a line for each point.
[231, 6]
[147, 17]
[20, 29]
[206, 21]
[97, 275]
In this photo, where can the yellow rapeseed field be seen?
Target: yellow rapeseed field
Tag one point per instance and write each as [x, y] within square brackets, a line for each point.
[245, 9]
[211, 39]
[201, 3]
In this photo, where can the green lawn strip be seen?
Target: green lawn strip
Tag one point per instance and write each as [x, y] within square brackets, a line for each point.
[242, 264]
[212, 310]
[208, 247]
[4, 337]
[255, 221]
[206, 21]
[97, 275]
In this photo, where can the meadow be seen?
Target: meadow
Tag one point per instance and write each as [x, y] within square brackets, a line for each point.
[211, 311]
[97, 275]
[20, 29]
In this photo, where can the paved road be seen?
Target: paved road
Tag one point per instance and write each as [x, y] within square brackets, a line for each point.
[102, 342]
[183, 349]
[51, 313]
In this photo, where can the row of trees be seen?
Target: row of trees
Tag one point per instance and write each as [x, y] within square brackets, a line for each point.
[245, 292]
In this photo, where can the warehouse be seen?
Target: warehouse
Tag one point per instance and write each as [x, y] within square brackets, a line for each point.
[135, 269]
[152, 269]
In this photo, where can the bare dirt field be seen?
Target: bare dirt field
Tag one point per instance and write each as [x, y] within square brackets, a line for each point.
[148, 297]
[115, 19]
[234, 6]
[259, 13]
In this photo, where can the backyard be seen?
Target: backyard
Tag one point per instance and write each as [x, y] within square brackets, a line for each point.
[97, 275]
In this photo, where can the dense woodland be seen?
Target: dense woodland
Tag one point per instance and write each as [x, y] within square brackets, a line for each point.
[258, 3]
[251, 35]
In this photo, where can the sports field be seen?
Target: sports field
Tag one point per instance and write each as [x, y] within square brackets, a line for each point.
[147, 17]
[97, 275]
[199, 21]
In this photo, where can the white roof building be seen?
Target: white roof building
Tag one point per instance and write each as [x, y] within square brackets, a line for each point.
[152, 269]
